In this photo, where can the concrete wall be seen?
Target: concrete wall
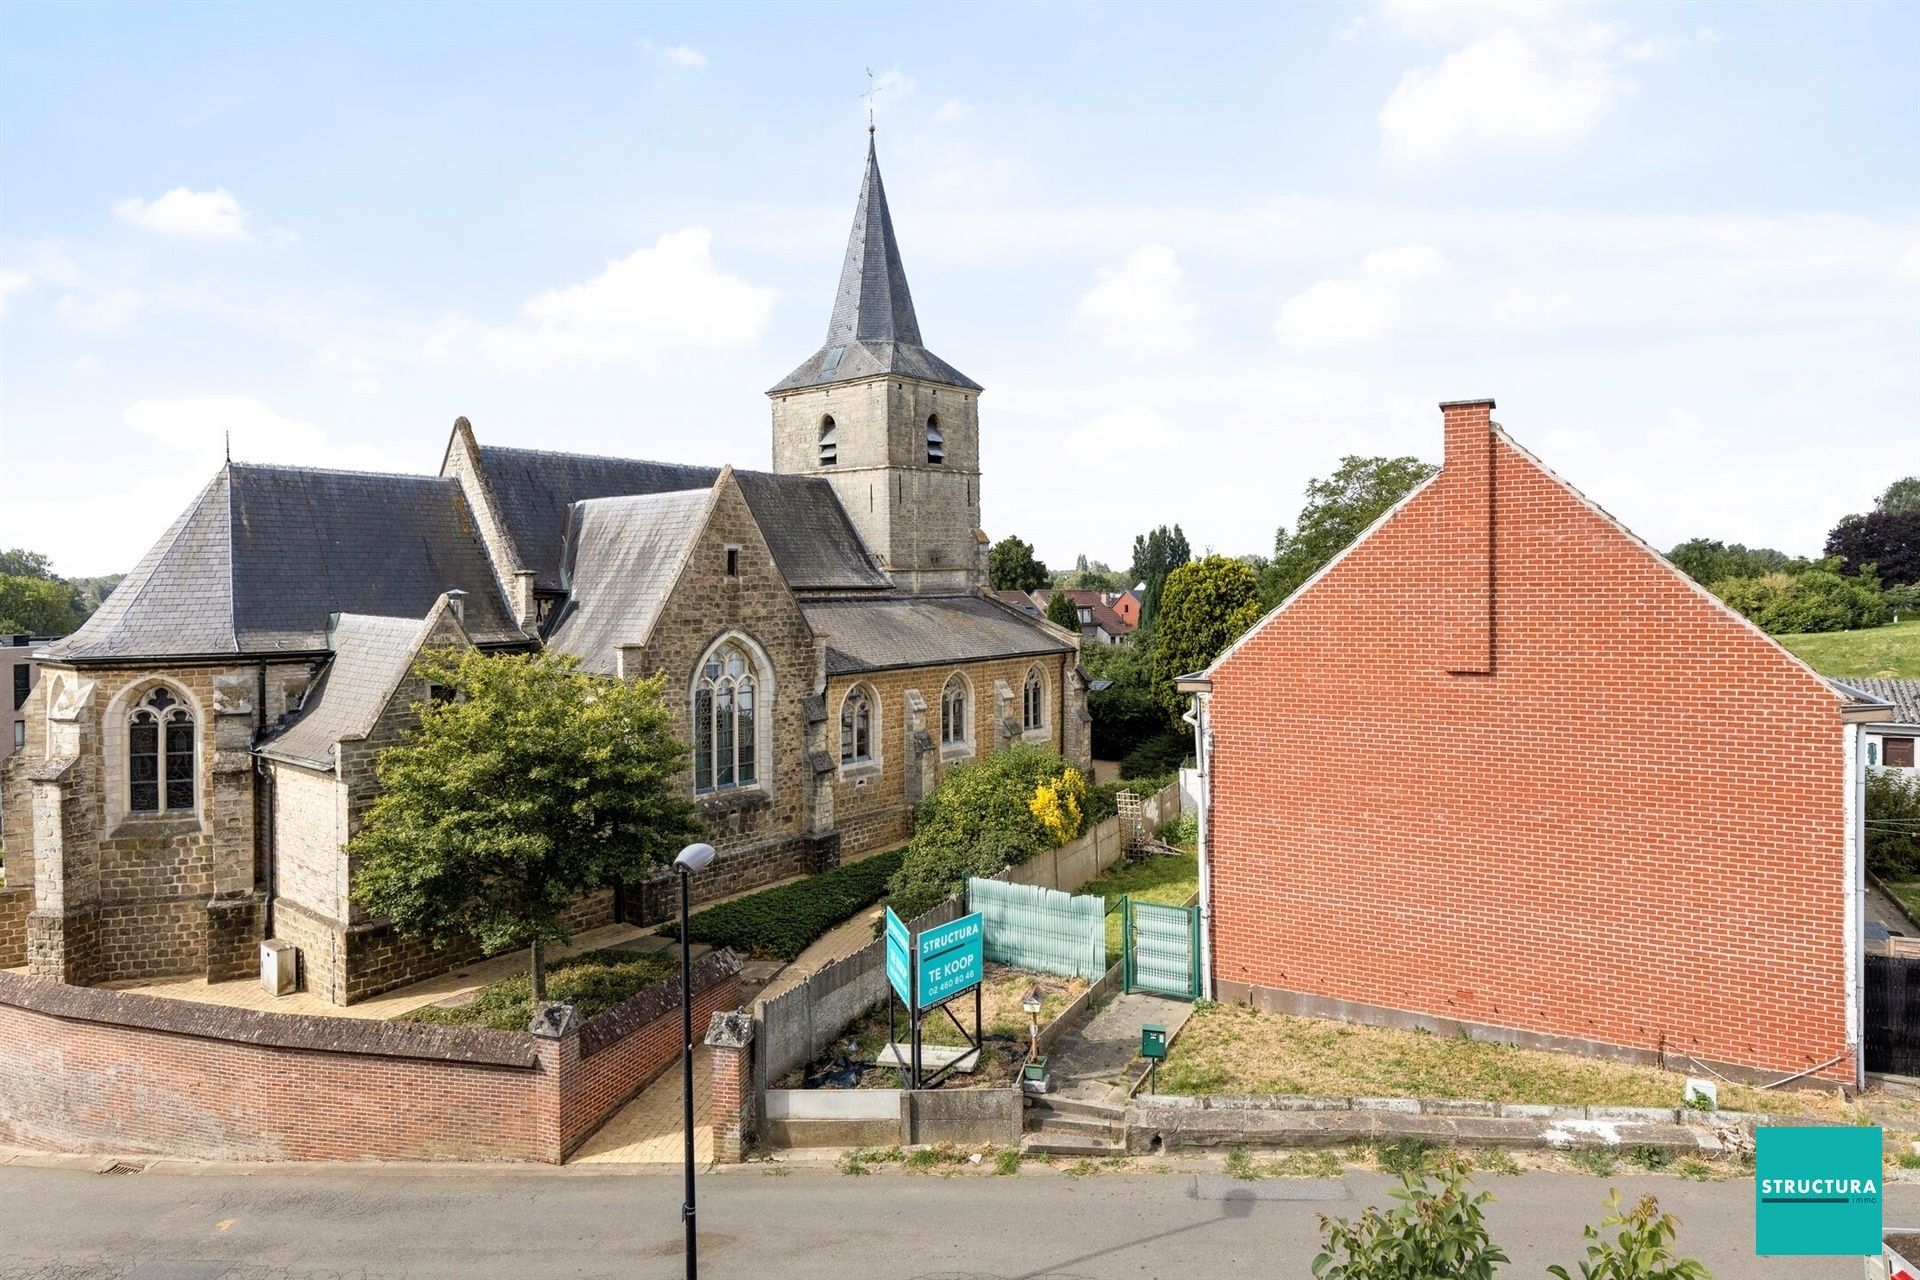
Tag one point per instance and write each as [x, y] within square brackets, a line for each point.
[889, 1117]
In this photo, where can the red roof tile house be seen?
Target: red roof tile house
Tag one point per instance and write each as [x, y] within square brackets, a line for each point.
[1500, 767]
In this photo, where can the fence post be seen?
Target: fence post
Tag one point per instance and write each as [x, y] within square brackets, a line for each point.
[730, 1090]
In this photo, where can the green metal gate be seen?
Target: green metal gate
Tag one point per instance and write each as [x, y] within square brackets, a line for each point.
[1163, 949]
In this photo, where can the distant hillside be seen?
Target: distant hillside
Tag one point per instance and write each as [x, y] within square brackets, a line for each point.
[1892, 651]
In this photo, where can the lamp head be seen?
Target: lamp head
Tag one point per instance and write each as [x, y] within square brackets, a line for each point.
[1031, 1002]
[692, 858]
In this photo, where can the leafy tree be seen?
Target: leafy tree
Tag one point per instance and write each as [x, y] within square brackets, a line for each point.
[1155, 555]
[1641, 1250]
[535, 784]
[1885, 541]
[1438, 1231]
[37, 606]
[1205, 607]
[979, 819]
[1708, 560]
[1338, 510]
[1062, 612]
[1125, 713]
[1893, 824]
[1901, 495]
[1095, 575]
[1816, 599]
[1012, 566]
[18, 562]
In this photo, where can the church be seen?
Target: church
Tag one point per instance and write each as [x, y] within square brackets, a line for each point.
[198, 753]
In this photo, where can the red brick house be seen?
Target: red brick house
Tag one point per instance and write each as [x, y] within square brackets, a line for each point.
[1501, 768]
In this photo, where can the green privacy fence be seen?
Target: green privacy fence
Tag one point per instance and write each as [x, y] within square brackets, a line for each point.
[1041, 929]
[1162, 945]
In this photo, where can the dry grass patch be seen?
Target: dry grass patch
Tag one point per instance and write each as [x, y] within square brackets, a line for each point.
[1236, 1049]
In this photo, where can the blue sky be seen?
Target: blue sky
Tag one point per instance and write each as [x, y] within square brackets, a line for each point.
[1194, 253]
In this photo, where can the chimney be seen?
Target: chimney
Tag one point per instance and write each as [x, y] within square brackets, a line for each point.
[457, 602]
[1466, 585]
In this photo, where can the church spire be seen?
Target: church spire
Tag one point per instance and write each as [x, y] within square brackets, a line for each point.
[873, 329]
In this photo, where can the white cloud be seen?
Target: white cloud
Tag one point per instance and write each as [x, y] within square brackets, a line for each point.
[87, 367]
[189, 215]
[952, 109]
[110, 309]
[12, 282]
[202, 428]
[1135, 429]
[678, 55]
[1502, 89]
[1357, 313]
[1523, 306]
[1908, 268]
[1141, 304]
[355, 366]
[667, 298]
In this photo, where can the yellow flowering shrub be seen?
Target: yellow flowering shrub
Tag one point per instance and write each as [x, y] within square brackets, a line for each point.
[1060, 805]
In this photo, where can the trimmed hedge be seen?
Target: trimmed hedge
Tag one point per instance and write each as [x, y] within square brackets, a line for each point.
[1159, 756]
[594, 981]
[781, 922]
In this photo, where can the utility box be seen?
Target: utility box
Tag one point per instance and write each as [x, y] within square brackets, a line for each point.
[1153, 1041]
[279, 967]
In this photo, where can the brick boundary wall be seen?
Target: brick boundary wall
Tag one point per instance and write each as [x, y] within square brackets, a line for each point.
[91, 1070]
[15, 904]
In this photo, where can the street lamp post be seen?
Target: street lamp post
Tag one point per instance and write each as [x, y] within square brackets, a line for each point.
[691, 859]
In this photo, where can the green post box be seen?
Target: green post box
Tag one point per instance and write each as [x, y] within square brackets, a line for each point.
[1153, 1041]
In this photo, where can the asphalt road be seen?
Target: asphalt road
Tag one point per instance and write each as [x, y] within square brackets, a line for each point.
[295, 1225]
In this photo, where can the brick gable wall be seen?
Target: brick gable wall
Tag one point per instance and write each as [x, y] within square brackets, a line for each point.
[1570, 796]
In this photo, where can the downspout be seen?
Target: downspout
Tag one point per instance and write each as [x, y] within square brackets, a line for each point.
[1196, 716]
[1853, 864]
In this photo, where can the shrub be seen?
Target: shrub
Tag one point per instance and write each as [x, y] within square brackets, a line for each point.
[1060, 804]
[1641, 1250]
[1817, 599]
[979, 819]
[1162, 754]
[1902, 602]
[780, 922]
[593, 981]
[1893, 824]
[1437, 1232]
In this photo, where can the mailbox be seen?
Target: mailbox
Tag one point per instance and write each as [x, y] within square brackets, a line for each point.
[1153, 1041]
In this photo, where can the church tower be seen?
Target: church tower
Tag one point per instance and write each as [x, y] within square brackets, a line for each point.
[894, 428]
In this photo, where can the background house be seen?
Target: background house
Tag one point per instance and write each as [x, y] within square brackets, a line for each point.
[1890, 743]
[1468, 778]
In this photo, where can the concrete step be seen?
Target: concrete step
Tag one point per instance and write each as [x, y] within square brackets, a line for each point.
[1061, 1145]
[1075, 1126]
[1076, 1107]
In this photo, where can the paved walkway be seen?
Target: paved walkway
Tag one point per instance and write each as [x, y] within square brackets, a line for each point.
[1096, 1061]
[647, 1130]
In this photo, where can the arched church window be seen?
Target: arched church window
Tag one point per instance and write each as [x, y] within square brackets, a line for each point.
[856, 727]
[953, 712]
[936, 443]
[160, 755]
[829, 442]
[1033, 703]
[726, 737]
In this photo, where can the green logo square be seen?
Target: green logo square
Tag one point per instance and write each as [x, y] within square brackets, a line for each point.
[1816, 1191]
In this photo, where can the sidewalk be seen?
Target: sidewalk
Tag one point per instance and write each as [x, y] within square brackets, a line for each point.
[1096, 1061]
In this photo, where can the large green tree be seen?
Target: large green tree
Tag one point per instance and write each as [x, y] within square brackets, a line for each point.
[1206, 606]
[1155, 555]
[534, 784]
[1708, 560]
[1886, 541]
[1339, 508]
[1902, 495]
[1012, 566]
[37, 606]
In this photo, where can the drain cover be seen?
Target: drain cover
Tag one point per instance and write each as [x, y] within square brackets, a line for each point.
[123, 1166]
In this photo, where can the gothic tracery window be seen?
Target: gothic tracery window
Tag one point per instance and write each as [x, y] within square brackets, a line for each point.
[1033, 713]
[725, 726]
[953, 712]
[856, 727]
[160, 755]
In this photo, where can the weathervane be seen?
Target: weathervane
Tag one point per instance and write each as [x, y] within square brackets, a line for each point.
[872, 89]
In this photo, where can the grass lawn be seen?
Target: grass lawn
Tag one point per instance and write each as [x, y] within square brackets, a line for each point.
[1165, 878]
[1003, 1026]
[1907, 894]
[594, 980]
[1234, 1049]
[1892, 651]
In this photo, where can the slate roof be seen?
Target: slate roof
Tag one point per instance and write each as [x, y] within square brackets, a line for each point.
[371, 656]
[873, 330]
[882, 632]
[623, 557]
[266, 555]
[1903, 694]
[812, 540]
